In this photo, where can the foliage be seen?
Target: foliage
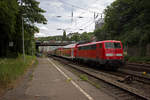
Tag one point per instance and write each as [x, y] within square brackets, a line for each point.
[128, 21]
[70, 37]
[86, 36]
[100, 34]
[64, 36]
[8, 11]
[75, 37]
[12, 13]
[12, 68]
[83, 77]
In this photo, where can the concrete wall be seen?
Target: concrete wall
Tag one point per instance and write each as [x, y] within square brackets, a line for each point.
[148, 50]
[135, 50]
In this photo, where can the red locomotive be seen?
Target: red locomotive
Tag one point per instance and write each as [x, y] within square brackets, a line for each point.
[109, 53]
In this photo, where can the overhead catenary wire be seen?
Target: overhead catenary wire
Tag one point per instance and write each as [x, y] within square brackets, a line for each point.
[75, 18]
[83, 24]
[86, 22]
[75, 6]
[74, 25]
[88, 25]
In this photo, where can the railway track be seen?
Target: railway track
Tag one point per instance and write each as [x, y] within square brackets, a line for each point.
[138, 67]
[112, 82]
[138, 76]
[141, 72]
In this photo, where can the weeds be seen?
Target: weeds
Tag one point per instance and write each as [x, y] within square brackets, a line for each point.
[11, 69]
[83, 77]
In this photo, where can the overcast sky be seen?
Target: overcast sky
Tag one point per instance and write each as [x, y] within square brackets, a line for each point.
[64, 9]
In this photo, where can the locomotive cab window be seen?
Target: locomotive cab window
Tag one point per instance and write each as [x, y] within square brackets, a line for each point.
[112, 45]
[117, 45]
[109, 45]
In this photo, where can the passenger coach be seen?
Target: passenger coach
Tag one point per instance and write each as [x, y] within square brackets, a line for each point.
[69, 51]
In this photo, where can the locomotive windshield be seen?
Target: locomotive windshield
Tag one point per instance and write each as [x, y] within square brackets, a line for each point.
[112, 45]
[117, 45]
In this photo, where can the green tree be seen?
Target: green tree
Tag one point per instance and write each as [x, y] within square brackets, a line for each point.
[127, 20]
[75, 37]
[100, 34]
[64, 35]
[86, 36]
[31, 13]
[11, 25]
[8, 11]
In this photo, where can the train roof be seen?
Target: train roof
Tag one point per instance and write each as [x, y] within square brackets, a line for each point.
[69, 46]
[91, 43]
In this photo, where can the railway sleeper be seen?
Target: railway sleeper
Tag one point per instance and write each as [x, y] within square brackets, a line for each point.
[128, 79]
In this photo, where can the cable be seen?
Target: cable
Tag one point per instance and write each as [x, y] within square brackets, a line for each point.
[72, 5]
[88, 21]
[74, 24]
[87, 24]
[78, 7]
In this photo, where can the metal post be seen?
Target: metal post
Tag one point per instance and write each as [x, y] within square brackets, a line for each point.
[23, 37]
[23, 40]
[32, 48]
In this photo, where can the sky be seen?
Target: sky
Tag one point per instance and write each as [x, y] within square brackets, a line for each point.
[70, 15]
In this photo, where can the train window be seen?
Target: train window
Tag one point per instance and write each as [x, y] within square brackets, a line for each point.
[79, 48]
[87, 47]
[83, 48]
[100, 45]
[117, 45]
[93, 46]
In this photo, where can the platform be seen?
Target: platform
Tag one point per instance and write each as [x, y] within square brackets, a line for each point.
[50, 81]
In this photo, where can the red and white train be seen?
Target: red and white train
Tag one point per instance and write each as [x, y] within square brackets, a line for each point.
[108, 53]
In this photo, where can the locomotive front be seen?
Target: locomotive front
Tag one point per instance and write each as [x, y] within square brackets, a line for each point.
[113, 53]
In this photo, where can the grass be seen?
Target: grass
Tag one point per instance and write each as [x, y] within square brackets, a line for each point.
[11, 69]
[69, 79]
[85, 78]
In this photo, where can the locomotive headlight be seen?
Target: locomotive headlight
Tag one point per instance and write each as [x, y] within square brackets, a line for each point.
[109, 54]
[119, 54]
